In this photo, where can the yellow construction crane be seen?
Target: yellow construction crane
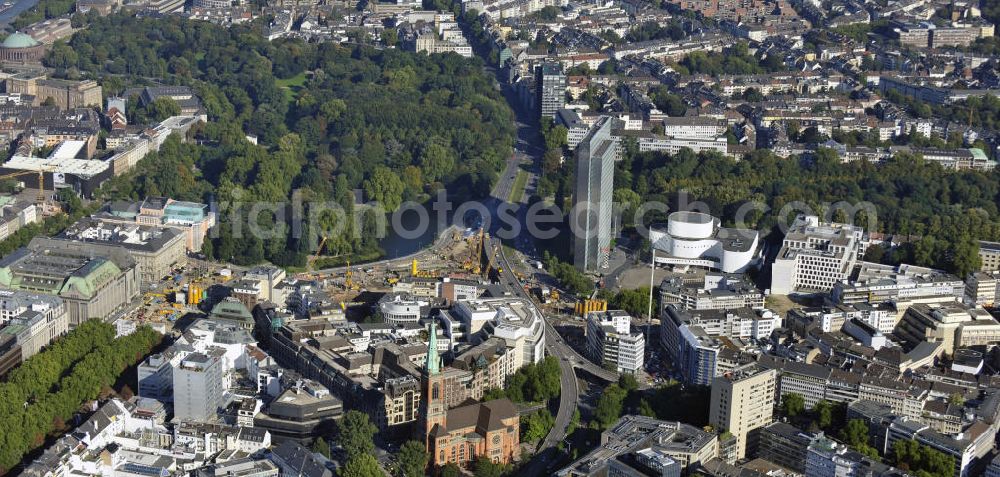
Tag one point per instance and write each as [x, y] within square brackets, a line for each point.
[348, 282]
[41, 180]
[319, 250]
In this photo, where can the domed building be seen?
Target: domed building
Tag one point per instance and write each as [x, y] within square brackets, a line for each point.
[21, 48]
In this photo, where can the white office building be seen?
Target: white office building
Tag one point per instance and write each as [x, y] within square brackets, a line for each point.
[867, 334]
[714, 292]
[612, 343]
[826, 458]
[514, 320]
[700, 342]
[982, 288]
[400, 310]
[198, 387]
[832, 318]
[694, 127]
[902, 285]
[814, 256]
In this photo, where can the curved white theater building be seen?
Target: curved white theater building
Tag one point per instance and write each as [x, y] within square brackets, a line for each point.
[400, 310]
[697, 239]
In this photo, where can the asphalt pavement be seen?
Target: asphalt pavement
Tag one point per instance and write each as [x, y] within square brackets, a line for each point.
[528, 152]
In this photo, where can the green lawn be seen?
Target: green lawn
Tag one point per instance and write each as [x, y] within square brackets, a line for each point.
[294, 82]
[517, 191]
[291, 85]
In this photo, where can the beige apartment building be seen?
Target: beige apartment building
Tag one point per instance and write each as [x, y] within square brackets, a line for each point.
[743, 400]
[65, 94]
[989, 256]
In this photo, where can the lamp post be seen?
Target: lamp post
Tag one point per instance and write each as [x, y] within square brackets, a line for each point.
[649, 312]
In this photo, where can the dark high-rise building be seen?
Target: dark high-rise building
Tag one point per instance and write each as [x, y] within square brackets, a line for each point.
[551, 89]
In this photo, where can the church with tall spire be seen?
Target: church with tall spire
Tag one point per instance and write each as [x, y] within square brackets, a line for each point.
[463, 434]
[433, 410]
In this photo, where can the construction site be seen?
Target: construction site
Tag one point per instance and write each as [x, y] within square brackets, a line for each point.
[456, 254]
[178, 295]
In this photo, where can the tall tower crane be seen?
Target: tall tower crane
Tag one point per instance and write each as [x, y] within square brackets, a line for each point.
[41, 181]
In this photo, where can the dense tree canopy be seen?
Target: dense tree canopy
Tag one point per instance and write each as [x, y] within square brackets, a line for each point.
[484, 467]
[355, 434]
[736, 60]
[573, 279]
[363, 465]
[412, 459]
[669, 103]
[674, 402]
[855, 435]
[48, 388]
[950, 210]
[43, 10]
[651, 30]
[823, 411]
[991, 10]
[535, 426]
[922, 460]
[450, 470]
[532, 383]
[328, 118]
[635, 302]
[610, 405]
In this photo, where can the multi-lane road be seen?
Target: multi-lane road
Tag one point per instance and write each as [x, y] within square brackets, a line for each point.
[528, 150]
[569, 393]
[506, 183]
[569, 361]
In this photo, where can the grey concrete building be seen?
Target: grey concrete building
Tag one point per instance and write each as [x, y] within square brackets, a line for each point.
[639, 442]
[198, 387]
[300, 412]
[156, 250]
[551, 89]
[591, 217]
[28, 322]
[785, 445]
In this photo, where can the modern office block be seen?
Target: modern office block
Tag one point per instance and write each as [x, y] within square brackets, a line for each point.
[612, 343]
[590, 218]
[551, 89]
[198, 387]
